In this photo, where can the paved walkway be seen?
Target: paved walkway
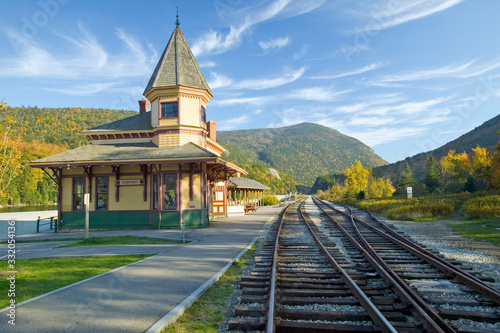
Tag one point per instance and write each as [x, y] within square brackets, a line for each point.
[134, 298]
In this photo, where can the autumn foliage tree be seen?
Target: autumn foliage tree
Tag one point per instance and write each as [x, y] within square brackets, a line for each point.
[359, 183]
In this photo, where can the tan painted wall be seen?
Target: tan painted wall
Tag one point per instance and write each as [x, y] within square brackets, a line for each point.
[67, 193]
[154, 113]
[190, 110]
[186, 203]
[169, 167]
[131, 196]
[167, 140]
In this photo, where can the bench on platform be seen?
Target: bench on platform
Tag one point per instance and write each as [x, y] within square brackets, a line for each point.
[249, 208]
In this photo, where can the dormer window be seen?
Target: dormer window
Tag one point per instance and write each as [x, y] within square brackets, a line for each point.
[203, 114]
[170, 109]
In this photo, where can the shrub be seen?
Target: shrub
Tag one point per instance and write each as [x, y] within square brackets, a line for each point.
[270, 200]
[485, 206]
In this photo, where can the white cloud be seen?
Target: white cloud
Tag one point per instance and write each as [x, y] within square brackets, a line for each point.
[267, 83]
[233, 123]
[214, 42]
[274, 43]
[358, 71]
[82, 90]
[385, 134]
[319, 94]
[260, 100]
[207, 64]
[83, 58]
[219, 81]
[396, 12]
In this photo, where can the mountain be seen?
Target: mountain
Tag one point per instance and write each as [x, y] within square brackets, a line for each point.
[485, 136]
[303, 152]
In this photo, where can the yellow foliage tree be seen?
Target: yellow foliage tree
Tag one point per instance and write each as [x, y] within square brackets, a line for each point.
[10, 152]
[357, 178]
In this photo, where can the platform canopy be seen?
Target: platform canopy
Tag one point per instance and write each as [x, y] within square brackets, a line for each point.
[247, 184]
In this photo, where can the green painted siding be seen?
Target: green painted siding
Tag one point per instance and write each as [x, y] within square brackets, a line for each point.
[132, 220]
[169, 220]
[192, 218]
[107, 220]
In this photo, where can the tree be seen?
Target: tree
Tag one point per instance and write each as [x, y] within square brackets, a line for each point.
[470, 184]
[405, 179]
[457, 165]
[432, 180]
[495, 167]
[10, 151]
[357, 179]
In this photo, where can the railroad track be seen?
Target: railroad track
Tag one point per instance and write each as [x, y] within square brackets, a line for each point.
[316, 273]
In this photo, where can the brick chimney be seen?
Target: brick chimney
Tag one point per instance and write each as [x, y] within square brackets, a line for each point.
[211, 130]
[143, 105]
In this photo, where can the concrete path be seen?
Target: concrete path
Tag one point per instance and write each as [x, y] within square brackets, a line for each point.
[134, 298]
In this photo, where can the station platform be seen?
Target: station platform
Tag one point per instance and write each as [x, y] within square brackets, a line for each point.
[143, 296]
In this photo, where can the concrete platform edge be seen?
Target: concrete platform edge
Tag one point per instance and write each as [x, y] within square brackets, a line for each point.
[172, 316]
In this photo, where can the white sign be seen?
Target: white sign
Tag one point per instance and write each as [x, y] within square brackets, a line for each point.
[130, 182]
[409, 191]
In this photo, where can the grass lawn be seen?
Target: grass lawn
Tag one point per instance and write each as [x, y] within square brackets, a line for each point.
[207, 313]
[38, 276]
[122, 240]
[482, 229]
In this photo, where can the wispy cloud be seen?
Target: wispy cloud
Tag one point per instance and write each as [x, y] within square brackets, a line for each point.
[465, 70]
[84, 58]
[82, 90]
[392, 13]
[319, 94]
[274, 43]
[256, 101]
[380, 135]
[233, 123]
[219, 80]
[207, 64]
[358, 71]
[288, 76]
[214, 42]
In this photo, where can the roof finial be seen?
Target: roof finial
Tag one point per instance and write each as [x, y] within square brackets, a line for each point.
[177, 23]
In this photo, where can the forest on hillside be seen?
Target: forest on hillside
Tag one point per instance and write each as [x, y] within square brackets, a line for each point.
[30, 133]
[303, 151]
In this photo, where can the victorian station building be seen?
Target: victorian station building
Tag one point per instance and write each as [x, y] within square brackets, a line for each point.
[159, 169]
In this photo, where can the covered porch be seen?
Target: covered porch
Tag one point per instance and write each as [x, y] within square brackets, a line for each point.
[244, 195]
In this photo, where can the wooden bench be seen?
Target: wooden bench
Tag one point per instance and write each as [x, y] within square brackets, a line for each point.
[250, 208]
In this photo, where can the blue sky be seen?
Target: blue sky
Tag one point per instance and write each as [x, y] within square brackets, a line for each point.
[403, 76]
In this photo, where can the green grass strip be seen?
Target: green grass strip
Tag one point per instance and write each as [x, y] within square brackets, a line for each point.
[206, 314]
[122, 240]
[38, 276]
[482, 229]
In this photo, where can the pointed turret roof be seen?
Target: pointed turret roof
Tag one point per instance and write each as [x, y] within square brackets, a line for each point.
[177, 66]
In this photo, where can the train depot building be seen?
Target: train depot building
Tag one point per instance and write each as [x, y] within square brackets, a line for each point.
[159, 169]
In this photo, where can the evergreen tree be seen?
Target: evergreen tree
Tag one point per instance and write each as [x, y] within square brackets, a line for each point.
[405, 179]
[432, 180]
[470, 184]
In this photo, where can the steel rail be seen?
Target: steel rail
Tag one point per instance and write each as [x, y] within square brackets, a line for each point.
[378, 318]
[430, 319]
[271, 310]
[441, 264]
[465, 277]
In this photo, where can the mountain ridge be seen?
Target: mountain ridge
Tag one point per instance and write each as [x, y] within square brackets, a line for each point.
[320, 149]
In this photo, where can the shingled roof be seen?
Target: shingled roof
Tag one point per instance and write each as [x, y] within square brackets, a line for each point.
[134, 152]
[177, 66]
[138, 122]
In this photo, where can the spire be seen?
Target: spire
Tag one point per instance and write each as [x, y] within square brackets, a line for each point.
[177, 23]
[177, 66]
